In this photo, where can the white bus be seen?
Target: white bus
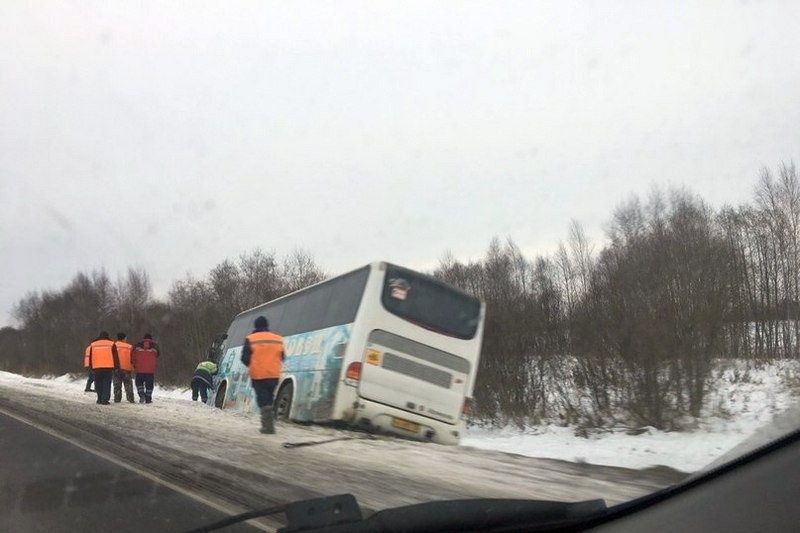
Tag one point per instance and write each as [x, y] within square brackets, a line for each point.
[381, 347]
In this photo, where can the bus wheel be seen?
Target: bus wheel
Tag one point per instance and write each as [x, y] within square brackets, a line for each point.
[283, 403]
[219, 399]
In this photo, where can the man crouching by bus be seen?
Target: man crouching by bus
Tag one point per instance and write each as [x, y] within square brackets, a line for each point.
[203, 379]
[263, 354]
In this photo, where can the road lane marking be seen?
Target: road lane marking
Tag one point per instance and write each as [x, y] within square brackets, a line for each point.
[230, 511]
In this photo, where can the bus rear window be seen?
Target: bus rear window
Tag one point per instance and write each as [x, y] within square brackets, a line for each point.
[429, 303]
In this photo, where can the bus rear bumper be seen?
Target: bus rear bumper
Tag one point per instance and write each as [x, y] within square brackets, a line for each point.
[381, 418]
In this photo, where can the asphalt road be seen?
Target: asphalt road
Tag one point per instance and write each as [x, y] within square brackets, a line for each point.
[51, 484]
[220, 456]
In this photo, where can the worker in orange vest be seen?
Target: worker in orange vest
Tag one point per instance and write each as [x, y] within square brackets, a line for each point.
[104, 360]
[263, 355]
[123, 375]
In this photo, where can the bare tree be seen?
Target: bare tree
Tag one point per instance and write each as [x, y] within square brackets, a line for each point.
[260, 279]
[298, 270]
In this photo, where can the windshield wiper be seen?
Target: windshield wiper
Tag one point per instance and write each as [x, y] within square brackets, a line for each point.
[341, 513]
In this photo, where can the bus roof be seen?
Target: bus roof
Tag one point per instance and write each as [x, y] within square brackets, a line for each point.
[373, 264]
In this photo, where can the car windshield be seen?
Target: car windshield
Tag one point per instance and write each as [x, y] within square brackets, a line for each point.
[257, 253]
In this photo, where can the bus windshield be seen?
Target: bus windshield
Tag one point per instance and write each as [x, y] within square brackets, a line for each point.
[430, 303]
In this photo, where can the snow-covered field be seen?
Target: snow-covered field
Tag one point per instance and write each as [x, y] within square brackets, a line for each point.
[742, 399]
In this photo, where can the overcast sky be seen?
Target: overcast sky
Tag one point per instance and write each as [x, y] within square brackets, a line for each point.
[171, 135]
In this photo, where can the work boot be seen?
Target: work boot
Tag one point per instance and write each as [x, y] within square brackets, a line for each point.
[267, 424]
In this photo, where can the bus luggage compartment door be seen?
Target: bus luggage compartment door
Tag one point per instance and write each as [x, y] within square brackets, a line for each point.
[414, 377]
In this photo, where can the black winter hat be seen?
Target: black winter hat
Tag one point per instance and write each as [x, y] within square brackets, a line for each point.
[261, 322]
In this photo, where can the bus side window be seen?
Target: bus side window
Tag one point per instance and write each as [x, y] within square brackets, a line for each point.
[292, 316]
[316, 308]
[346, 296]
[275, 316]
[242, 329]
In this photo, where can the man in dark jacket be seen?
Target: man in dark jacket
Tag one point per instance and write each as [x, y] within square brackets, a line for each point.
[144, 355]
[202, 380]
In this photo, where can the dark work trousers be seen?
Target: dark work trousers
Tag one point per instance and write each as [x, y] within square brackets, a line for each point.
[265, 389]
[90, 381]
[144, 386]
[123, 377]
[199, 386]
[102, 384]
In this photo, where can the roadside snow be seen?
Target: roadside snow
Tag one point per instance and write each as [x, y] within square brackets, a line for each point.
[743, 398]
[381, 472]
[684, 451]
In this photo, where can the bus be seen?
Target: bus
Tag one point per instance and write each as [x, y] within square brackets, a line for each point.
[382, 347]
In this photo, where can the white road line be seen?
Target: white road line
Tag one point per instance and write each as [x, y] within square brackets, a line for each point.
[213, 504]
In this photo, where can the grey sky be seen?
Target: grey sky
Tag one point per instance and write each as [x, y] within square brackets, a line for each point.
[173, 135]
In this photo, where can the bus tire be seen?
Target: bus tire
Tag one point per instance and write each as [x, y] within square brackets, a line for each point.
[219, 399]
[283, 402]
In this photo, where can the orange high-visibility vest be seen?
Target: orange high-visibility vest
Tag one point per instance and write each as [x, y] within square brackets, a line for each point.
[124, 354]
[100, 353]
[86, 356]
[266, 357]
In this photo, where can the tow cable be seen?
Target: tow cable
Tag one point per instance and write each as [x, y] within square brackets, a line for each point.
[291, 445]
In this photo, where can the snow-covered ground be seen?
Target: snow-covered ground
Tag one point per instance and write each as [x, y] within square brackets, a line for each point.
[742, 399]
[221, 450]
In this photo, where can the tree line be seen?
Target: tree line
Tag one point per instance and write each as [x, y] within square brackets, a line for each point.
[628, 331]
[56, 325]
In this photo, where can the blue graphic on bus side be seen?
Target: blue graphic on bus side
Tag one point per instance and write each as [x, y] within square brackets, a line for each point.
[313, 363]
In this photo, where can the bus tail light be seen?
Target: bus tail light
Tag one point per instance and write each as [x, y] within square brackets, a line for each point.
[353, 374]
[466, 407]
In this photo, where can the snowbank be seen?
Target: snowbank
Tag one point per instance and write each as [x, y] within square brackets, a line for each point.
[742, 398]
